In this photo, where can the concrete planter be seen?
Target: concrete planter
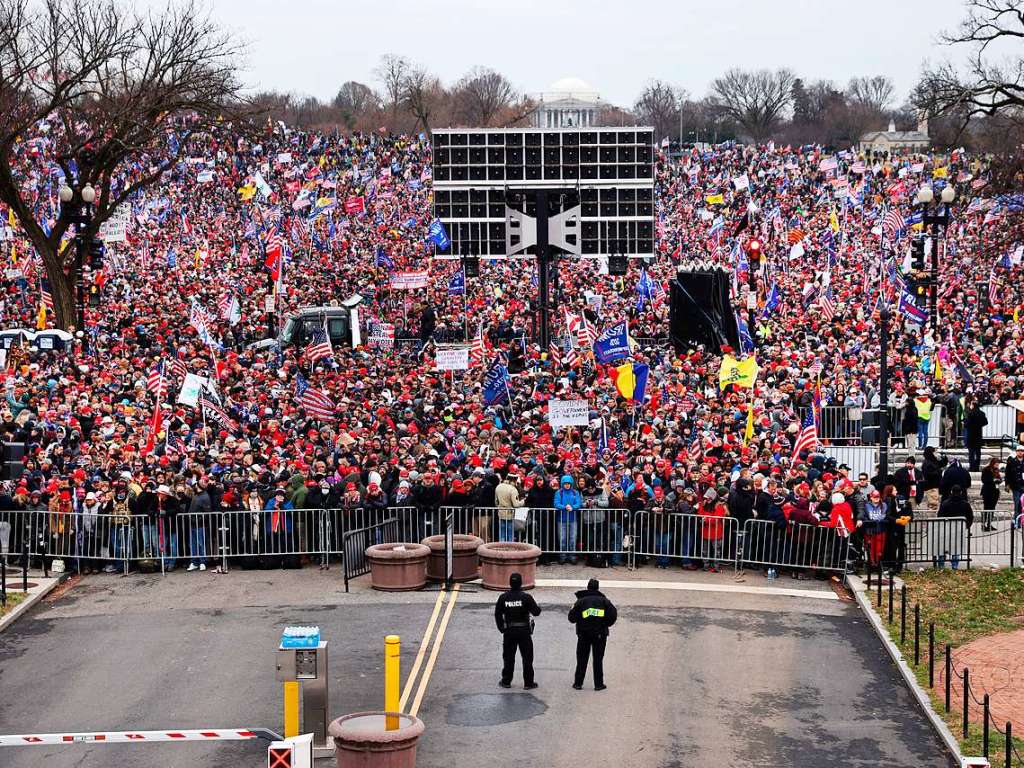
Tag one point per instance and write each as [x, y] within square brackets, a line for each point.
[361, 741]
[465, 562]
[398, 567]
[500, 559]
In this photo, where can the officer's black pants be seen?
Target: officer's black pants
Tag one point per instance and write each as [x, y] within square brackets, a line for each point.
[584, 645]
[517, 639]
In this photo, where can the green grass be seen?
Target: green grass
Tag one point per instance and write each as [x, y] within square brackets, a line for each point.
[964, 606]
[13, 598]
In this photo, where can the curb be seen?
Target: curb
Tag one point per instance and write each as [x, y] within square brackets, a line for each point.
[923, 701]
[33, 598]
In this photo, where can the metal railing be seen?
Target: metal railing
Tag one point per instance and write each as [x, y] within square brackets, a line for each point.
[937, 541]
[356, 541]
[694, 540]
[795, 546]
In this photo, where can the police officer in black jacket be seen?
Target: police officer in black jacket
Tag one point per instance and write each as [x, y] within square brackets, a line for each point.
[512, 614]
[592, 614]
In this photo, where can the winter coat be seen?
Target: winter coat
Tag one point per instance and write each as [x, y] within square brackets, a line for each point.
[567, 500]
[592, 613]
[957, 506]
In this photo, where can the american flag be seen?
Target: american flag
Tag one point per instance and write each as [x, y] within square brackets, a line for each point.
[555, 353]
[978, 184]
[858, 167]
[827, 305]
[178, 367]
[45, 296]
[319, 346]
[807, 440]
[316, 403]
[893, 225]
[218, 413]
[586, 334]
[478, 350]
[694, 451]
[156, 383]
[224, 303]
[993, 289]
[795, 235]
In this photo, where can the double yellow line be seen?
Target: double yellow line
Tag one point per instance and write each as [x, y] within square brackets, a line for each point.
[422, 652]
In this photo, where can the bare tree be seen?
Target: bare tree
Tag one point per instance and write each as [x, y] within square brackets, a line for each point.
[422, 94]
[108, 87]
[875, 93]
[481, 95]
[755, 100]
[393, 71]
[354, 100]
[991, 83]
[658, 105]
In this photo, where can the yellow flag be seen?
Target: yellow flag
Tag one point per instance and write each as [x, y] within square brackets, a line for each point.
[1016, 314]
[749, 432]
[41, 318]
[10, 218]
[199, 258]
[833, 220]
[940, 173]
[741, 373]
[718, 199]
[14, 254]
[938, 370]
[247, 193]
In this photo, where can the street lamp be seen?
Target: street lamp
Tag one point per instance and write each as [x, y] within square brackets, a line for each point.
[80, 202]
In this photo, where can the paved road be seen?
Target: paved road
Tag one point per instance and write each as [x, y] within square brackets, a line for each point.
[696, 678]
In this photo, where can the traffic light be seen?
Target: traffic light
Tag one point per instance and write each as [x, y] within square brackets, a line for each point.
[94, 295]
[754, 249]
[917, 255]
[96, 253]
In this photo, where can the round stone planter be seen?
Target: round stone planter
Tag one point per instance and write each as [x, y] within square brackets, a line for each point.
[500, 559]
[362, 741]
[398, 567]
[465, 562]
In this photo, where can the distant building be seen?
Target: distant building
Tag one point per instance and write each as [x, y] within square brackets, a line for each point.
[897, 142]
[569, 103]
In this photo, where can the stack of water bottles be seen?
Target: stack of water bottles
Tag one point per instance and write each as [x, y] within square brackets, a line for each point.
[772, 575]
[300, 637]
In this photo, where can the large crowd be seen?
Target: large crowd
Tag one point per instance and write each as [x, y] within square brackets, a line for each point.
[350, 210]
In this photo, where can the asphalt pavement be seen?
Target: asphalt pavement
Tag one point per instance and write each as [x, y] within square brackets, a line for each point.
[696, 678]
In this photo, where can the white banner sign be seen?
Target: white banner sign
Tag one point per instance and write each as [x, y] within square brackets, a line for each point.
[568, 413]
[456, 359]
[191, 388]
[381, 336]
[407, 281]
[284, 157]
[115, 229]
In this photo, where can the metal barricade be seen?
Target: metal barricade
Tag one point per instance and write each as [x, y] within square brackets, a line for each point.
[695, 540]
[795, 546]
[357, 540]
[937, 540]
[996, 548]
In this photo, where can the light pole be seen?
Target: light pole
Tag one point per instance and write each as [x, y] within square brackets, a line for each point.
[936, 217]
[80, 202]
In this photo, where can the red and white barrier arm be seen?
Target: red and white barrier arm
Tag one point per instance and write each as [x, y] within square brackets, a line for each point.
[137, 737]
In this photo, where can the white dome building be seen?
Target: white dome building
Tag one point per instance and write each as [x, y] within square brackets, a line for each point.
[569, 103]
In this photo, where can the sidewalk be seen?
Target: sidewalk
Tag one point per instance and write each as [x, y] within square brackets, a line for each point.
[38, 588]
[997, 668]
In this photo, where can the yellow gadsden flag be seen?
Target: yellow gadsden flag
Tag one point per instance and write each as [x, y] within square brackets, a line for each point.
[748, 433]
[741, 373]
[718, 199]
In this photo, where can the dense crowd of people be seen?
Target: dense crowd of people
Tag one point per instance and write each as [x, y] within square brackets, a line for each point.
[107, 433]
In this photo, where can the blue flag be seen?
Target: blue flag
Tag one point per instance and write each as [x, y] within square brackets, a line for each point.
[383, 260]
[457, 284]
[641, 372]
[496, 384]
[438, 235]
[612, 344]
[773, 301]
[172, 258]
[746, 340]
[647, 289]
[913, 312]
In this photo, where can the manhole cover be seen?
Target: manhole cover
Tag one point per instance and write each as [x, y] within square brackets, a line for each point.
[481, 709]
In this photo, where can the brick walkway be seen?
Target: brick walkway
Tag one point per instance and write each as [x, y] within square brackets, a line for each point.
[997, 668]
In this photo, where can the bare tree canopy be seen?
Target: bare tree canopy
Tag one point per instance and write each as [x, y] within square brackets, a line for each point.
[875, 93]
[101, 85]
[755, 100]
[393, 71]
[422, 94]
[355, 99]
[658, 105]
[481, 95]
[992, 82]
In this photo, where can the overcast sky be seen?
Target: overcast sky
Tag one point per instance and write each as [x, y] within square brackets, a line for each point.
[312, 46]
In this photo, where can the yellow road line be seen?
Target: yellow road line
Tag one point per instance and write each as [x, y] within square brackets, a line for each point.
[433, 653]
[421, 652]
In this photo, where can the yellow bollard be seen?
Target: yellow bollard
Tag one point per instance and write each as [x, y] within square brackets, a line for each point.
[392, 658]
[291, 709]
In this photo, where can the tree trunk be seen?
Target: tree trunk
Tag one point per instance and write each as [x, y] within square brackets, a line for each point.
[62, 288]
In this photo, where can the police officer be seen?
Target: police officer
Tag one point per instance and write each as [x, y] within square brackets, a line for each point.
[592, 614]
[512, 614]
